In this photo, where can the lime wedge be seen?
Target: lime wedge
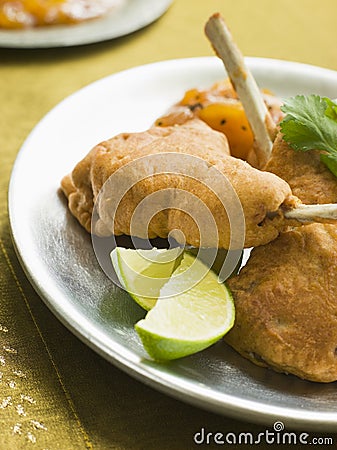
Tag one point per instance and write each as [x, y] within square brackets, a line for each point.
[142, 273]
[183, 322]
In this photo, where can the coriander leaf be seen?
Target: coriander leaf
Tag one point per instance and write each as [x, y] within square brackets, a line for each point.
[310, 124]
[330, 162]
[331, 110]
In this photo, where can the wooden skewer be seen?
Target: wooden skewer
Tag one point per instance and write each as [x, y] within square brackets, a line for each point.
[261, 122]
[313, 213]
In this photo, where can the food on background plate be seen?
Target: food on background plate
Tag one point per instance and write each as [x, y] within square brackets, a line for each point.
[285, 301]
[20, 14]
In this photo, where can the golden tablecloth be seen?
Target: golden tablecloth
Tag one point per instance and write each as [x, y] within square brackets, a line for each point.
[55, 393]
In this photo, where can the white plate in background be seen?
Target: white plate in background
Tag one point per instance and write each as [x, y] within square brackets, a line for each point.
[128, 17]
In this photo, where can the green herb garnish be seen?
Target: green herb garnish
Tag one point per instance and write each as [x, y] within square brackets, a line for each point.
[311, 124]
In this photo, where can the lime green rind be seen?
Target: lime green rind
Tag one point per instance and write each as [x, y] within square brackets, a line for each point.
[145, 303]
[189, 321]
[164, 349]
[156, 273]
[190, 310]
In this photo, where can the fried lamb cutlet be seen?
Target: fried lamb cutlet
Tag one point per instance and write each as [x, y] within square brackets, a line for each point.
[285, 296]
[260, 193]
[308, 177]
[286, 304]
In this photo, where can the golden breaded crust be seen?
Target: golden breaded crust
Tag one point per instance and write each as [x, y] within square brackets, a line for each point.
[82, 185]
[310, 180]
[259, 192]
[286, 304]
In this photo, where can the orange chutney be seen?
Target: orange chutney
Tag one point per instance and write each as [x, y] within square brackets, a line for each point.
[220, 108]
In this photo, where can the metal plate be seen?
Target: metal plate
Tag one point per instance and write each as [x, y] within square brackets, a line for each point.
[127, 17]
[58, 258]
